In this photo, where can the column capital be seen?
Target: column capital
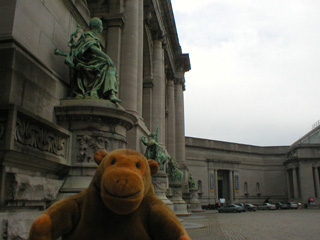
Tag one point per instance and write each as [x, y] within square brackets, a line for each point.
[180, 81]
[170, 82]
[114, 20]
[158, 35]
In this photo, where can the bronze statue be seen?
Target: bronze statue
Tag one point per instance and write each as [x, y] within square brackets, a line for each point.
[154, 150]
[192, 182]
[92, 73]
[175, 174]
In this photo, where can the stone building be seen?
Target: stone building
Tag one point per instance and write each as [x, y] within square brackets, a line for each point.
[245, 173]
[47, 141]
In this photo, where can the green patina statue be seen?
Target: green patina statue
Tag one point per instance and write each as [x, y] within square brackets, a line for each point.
[192, 182]
[154, 151]
[175, 175]
[92, 73]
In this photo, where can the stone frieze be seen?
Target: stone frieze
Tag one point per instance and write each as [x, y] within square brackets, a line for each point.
[28, 133]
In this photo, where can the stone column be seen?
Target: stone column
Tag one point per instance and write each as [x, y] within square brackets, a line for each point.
[295, 184]
[289, 184]
[171, 133]
[316, 181]
[158, 98]
[130, 57]
[147, 102]
[140, 60]
[179, 111]
[231, 186]
[216, 185]
[306, 181]
[114, 24]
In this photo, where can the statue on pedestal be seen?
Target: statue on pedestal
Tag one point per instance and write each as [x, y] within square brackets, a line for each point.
[175, 174]
[192, 182]
[154, 150]
[92, 73]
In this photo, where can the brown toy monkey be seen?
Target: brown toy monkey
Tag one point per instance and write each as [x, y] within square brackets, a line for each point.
[119, 204]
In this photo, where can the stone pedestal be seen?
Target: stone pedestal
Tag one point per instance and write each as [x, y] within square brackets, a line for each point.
[95, 124]
[16, 225]
[159, 182]
[195, 204]
[180, 206]
[30, 191]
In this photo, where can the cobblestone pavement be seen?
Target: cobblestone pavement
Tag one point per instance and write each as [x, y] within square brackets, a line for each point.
[265, 225]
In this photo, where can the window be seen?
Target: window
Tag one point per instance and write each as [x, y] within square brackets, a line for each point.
[246, 188]
[199, 186]
[258, 188]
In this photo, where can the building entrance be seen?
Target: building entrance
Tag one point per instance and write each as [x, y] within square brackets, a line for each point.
[224, 185]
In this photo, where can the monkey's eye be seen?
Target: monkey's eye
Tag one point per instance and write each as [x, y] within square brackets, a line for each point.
[138, 165]
[113, 161]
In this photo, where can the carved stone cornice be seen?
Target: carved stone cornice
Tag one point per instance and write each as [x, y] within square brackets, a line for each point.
[224, 161]
[99, 111]
[79, 11]
[184, 62]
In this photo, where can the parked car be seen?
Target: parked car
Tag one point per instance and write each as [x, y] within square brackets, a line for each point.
[242, 205]
[280, 205]
[292, 205]
[231, 208]
[267, 206]
[250, 207]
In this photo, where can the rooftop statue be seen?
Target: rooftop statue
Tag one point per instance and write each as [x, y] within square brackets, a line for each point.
[154, 150]
[92, 73]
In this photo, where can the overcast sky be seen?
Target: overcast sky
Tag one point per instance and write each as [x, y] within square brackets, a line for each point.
[255, 69]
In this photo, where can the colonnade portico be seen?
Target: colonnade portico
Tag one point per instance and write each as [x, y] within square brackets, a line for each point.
[303, 181]
[293, 183]
[226, 179]
[143, 47]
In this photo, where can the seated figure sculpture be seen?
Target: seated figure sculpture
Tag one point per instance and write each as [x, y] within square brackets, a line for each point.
[92, 73]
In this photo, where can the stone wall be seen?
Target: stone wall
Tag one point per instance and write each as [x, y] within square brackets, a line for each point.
[32, 76]
[47, 140]
[260, 170]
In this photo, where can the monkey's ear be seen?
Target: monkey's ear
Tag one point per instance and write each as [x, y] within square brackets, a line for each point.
[99, 155]
[154, 166]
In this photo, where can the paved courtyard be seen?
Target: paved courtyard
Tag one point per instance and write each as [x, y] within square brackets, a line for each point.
[265, 225]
